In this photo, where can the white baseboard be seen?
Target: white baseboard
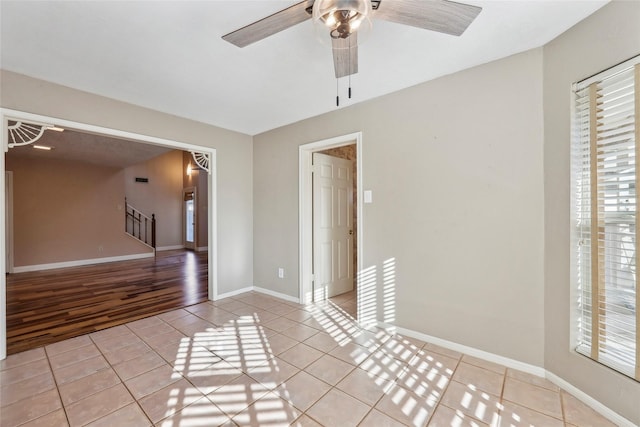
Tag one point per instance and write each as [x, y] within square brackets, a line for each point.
[202, 248]
[521, 366]
[276, 294]
[169, 248]
[79, 263]
[471, 351]
[590, 401]
[256, 289]
[232, 293]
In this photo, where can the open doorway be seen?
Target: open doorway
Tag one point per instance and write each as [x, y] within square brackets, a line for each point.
[335, 225]
[8, 116]
[316, 272]
[189, 215]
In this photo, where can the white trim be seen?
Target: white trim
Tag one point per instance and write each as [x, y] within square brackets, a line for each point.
[471, 351]
[276, 294]
[590, 401]
[6, 113]
[9, 219]
[79, 262]
[202, 248]
[623, 66]
[234, 293]
[305, 231]
[3, 249]
[521, 366]
[169, 248]
[258, 289]
[147, 139]
[212, 209]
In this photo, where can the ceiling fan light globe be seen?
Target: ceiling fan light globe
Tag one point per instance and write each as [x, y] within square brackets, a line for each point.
[340, 18]
[329, 20]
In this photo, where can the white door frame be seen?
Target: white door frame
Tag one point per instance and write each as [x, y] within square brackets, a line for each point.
[9, 221]
[7, 114]
[305, 215]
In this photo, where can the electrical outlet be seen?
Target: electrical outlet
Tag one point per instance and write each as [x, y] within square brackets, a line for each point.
[281, 273]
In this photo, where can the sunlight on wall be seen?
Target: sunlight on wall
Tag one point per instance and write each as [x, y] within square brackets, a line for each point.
[389, 291]
[367, 304]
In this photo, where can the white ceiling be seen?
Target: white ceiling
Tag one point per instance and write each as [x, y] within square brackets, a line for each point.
[90, 148]
[169, 55]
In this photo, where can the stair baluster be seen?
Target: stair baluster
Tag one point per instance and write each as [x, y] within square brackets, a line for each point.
[137, 221]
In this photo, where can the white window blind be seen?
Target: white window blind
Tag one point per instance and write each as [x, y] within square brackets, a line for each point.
[606, 180]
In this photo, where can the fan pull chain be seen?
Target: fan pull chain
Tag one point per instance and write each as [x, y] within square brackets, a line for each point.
[350, 68]
[337, 93]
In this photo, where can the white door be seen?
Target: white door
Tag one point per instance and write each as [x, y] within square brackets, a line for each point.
[332, 226]
[189, 208]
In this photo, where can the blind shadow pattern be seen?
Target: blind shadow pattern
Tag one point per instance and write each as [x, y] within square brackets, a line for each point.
[256, 360]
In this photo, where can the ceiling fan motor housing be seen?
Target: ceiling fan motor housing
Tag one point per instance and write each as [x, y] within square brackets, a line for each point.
[341, 17]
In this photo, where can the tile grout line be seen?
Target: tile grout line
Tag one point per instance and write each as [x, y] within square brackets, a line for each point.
[564, 418]
[501, 402]
[55, 383]
[120, 378]
[439, 402]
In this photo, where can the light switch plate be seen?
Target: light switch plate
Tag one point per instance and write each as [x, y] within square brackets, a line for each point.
[368, 196]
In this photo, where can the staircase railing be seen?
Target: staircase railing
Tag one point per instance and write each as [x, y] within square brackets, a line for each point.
[139, 225]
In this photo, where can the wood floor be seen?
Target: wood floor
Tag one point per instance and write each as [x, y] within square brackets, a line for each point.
[53, 305]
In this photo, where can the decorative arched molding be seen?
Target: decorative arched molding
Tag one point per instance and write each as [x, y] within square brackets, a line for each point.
[24, 133]
[201, 159]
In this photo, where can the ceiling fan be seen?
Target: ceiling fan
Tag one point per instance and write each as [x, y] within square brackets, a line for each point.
[343, 19]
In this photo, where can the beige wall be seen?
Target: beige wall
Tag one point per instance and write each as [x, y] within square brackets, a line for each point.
[234, 157]
[67, 211]
[161, 196]
[606, 38]
[470, 179]
[455, 166]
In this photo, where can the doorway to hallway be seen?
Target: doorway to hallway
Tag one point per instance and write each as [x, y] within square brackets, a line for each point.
[333, 220]
[330, 219]
[12, 116]
[189, 222]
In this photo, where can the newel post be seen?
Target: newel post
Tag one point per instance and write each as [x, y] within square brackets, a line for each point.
[153, 231]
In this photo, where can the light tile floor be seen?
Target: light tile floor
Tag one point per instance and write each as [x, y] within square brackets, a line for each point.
[256, 360]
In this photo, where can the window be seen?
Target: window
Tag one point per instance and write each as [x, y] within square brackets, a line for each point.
[605, 206]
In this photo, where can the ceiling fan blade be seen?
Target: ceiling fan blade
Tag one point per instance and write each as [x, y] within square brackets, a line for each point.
[436, 15]
[270, 25]
[345, 55]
